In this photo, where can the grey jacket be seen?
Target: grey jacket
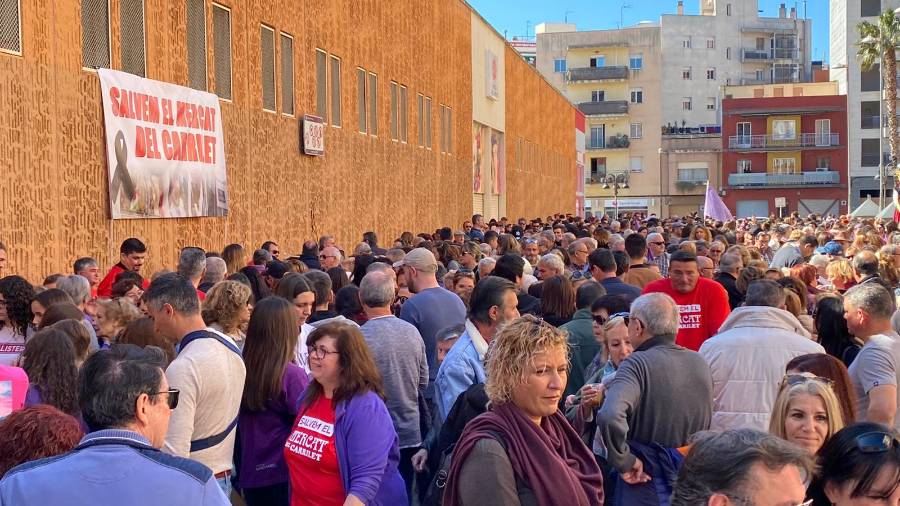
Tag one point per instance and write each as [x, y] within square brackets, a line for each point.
[661, 394]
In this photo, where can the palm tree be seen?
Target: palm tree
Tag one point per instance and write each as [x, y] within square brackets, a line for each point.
[878, 45]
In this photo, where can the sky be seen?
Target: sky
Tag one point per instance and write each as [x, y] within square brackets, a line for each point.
[515, 16]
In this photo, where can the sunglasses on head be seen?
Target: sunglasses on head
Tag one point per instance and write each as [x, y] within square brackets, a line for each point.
[797, 379]
[875, 442]
[602, 321]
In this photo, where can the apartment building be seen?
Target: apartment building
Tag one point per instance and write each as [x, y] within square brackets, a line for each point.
[652, 94]
[862, 90]
[784, 149]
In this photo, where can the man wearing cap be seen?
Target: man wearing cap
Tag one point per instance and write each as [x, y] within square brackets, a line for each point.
[275, 270]
[832, 249]
[431, 308]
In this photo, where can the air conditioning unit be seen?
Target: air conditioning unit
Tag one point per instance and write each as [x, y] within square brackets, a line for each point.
[822, 169]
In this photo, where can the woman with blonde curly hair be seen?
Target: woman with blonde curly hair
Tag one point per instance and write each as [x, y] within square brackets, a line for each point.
[887, 265]
[700, 233]
[541, 457]
[840, 275]
[227, 309]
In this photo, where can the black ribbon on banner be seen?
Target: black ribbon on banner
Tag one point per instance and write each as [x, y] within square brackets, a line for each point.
[121, 176]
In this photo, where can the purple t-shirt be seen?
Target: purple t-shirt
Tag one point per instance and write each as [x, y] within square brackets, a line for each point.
[263, 433]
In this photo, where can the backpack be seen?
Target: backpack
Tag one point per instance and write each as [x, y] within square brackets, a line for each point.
[435, 494]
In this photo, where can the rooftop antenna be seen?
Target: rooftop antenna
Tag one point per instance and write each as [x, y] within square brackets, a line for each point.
[621, 13]
[566, 16]
[527, 27]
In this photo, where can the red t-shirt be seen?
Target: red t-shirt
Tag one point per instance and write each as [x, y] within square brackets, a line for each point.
[312, 458]
[104, 289]
[701, 312]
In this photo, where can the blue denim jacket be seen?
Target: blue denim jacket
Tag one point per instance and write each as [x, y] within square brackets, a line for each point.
[462, 368]
[112, 467]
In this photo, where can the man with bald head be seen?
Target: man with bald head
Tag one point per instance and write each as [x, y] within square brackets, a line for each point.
[707, 267]
[865, 266]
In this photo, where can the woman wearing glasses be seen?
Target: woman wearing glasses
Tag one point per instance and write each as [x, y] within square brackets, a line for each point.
[523, 451]
[343, 448]
[269, 404]
[859, 466]
[806, 411]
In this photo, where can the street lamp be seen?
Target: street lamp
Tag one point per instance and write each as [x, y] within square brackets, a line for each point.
[616, 181]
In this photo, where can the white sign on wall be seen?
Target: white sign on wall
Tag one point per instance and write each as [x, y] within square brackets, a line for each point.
[313, 135]
[492, 75]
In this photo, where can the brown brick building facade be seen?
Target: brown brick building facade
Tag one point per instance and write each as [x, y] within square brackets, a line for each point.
[53, 186]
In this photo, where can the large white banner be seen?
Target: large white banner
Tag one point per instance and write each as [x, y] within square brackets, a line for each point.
[164, 148]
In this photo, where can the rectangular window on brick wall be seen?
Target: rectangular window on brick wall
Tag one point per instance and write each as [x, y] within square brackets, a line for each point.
[95, 34]
[222, 50]
[196, 45]
[287, 74]
[267, 64]
[428, 122]
[404, 115]
[372, 91]
[11, 26]
[395, 98]
[335, 90]
[362, 107]
[131, 45]
[322, 84]
[420, 103]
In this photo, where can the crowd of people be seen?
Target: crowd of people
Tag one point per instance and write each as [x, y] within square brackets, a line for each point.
[557, 361]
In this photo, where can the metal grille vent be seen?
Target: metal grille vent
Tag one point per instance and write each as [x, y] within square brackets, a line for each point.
[287, 74]
[196, 44]
[10, 26]
[267, 46]
[131, 16]
[95, 33]
[222, 50]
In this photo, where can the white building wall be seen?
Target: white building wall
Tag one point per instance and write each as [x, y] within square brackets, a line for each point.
[845, 15]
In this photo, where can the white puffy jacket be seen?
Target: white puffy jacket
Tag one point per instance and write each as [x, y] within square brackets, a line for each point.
[747, 360]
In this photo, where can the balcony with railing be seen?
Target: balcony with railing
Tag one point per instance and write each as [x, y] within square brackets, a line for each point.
[777, 53]
[805, 178]
[593, 74]
[771, 142]
[619, 141]
[607, 108]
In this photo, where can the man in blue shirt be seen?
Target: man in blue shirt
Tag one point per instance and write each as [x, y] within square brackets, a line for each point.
[603, 270]
[492, 304]
[126, 401]
[431, 308]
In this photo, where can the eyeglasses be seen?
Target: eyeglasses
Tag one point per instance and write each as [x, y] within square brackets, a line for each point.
[875, 442]
[323, 257]
[171, 400]
[658, 243]
[798, 379]
[320, 352]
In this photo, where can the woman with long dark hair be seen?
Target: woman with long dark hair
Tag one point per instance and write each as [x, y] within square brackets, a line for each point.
[42, 301]
[16, 295]
[49, 360]
[269, 404]
[831, 327]
[257, 285]
[343, 448]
